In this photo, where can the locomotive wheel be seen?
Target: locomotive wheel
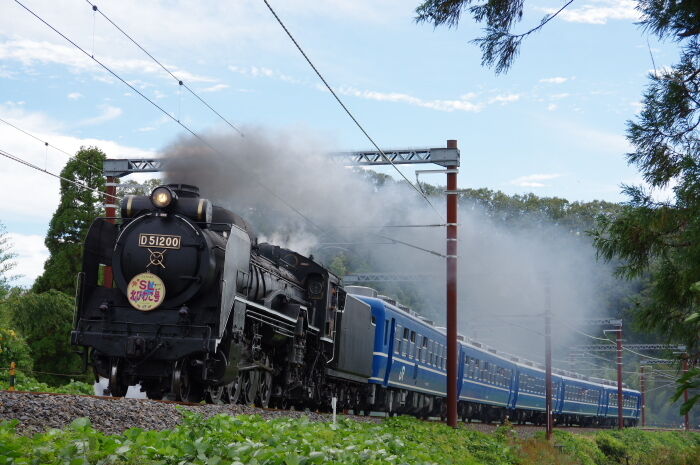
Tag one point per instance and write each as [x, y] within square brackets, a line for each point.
[264, 388]
[183, 386]
[248, 386]
[264, 385]
[117, 386]
[232, 391]
[215, 394]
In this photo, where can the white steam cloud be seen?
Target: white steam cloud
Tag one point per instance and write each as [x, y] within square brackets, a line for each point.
[266, 176]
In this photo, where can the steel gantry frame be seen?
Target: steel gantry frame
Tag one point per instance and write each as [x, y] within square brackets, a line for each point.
[447, 157]
[643, 347]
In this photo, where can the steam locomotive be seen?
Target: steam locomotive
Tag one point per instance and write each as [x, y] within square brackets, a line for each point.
[197, 309]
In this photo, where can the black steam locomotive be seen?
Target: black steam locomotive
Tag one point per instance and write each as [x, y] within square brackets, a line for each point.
[198, 309]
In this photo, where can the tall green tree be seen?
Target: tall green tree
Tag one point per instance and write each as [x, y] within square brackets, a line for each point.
[77, 209]
[45, 321]
[7, 262]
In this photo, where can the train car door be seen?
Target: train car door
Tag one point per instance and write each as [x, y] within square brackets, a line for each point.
[559, 405]
[390, 351]
[413, 355]
[513, 388]
[460, 371]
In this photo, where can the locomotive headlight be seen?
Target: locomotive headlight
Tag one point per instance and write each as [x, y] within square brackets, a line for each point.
[162, 197]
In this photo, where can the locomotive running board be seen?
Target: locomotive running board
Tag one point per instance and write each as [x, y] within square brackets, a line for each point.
[266, 309]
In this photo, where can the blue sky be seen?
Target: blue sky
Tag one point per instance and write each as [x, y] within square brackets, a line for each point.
[554, 125]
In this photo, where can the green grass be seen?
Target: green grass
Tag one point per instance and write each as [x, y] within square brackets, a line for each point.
[285, 441]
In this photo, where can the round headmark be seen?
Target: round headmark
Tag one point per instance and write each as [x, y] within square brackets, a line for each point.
[145, 291]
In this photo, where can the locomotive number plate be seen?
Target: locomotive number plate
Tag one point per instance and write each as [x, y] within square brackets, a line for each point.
[162, 241]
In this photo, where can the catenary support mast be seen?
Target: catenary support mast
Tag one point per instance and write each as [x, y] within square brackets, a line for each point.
[548, 356]
[110, 213]
[451, 248]
[620, 398]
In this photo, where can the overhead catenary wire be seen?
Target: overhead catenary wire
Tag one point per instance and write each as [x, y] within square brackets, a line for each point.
[607, 340]
[47, 144]
[180, 82]
[349, 113]
[162, 110]
[58, 176]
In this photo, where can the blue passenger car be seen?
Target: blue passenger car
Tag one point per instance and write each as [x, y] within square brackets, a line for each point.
[409, 375]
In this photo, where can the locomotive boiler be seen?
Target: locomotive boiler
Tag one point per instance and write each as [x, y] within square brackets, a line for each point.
[197, 308]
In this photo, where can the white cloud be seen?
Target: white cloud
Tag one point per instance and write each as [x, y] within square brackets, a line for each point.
[554, 80]
[214, 88]
[440, 105]
[600, 11]
[108, 113]
[504, 99]
[534, 180]
[74, 95]
[16, 179]
[552, 106]
[261, 71]
[31, 255]
[32, 52]
[559, 96]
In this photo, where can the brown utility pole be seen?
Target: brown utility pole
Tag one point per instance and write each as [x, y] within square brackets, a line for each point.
[643, 388]
[686, 422]
[548, 357]
[110, 213]
[620, 397]
[452, 352]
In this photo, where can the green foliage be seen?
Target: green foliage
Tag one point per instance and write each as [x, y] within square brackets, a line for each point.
[132, 187]
[13, 348]
[611, 447]
[7, 262]
[70, 223]
[577, 217]
[285, 441]
[45, 321]
[689, 381]
[339, 265]
[28, 383]
[580, 447]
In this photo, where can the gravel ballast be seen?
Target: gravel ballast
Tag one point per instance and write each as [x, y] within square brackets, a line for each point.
[113, 415]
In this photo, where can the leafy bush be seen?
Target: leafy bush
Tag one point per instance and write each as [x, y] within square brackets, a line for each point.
[27, 383]
[611, 447]
[253, 440]
[45, 321]
[581, 447]
[13, 348]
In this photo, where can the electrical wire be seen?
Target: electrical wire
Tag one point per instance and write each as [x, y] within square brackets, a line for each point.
[352, 117]
[179, 81]
[46, 144]
[647, 391]
[607, 340]
[162, 110]
[38, 168]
